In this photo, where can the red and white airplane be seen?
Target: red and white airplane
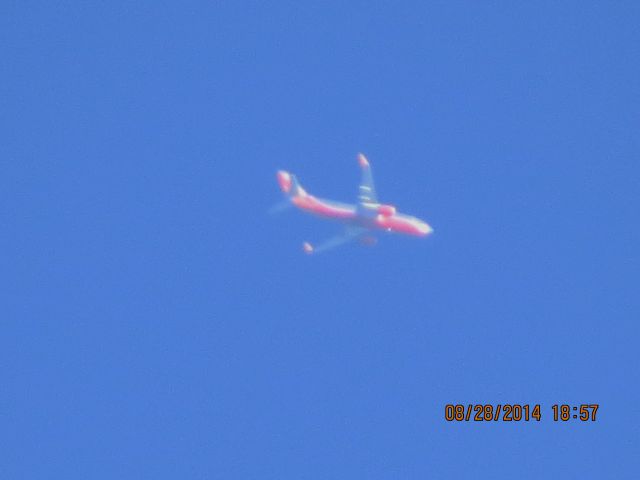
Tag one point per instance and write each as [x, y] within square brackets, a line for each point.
[362, 220]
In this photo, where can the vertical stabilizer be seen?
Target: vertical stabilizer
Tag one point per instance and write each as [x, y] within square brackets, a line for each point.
[289, 184]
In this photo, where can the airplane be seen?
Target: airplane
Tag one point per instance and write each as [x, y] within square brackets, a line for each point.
[362, 220]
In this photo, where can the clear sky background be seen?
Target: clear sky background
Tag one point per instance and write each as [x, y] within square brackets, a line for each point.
[157, 323]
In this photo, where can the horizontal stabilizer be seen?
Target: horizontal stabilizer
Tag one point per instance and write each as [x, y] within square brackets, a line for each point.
[280, 207]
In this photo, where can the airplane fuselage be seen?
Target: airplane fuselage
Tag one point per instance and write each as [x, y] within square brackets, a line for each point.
[367, 216]
[370, 216]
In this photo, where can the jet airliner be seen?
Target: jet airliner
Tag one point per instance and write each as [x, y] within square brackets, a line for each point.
[362, 220]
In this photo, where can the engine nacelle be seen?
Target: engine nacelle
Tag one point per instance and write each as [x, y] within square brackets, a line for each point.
[387, 210]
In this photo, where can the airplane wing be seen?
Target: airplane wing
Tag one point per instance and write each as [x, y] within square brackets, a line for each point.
[366, 190]
[350, 234]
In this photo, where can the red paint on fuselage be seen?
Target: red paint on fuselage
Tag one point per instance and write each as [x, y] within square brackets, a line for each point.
[403, 224]
[323, 208]
[349, 214]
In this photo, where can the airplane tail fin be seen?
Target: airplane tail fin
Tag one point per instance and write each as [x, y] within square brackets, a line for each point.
[289, 184]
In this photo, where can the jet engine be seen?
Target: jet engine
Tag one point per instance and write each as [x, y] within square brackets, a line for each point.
[387, 210]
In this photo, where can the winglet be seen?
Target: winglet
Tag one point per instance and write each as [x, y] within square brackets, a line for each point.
[307, 247]
[362, 161]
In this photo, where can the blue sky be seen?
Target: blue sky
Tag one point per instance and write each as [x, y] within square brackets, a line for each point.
[158, 324]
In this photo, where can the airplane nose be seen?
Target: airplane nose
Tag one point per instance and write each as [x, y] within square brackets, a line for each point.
[424, 229]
